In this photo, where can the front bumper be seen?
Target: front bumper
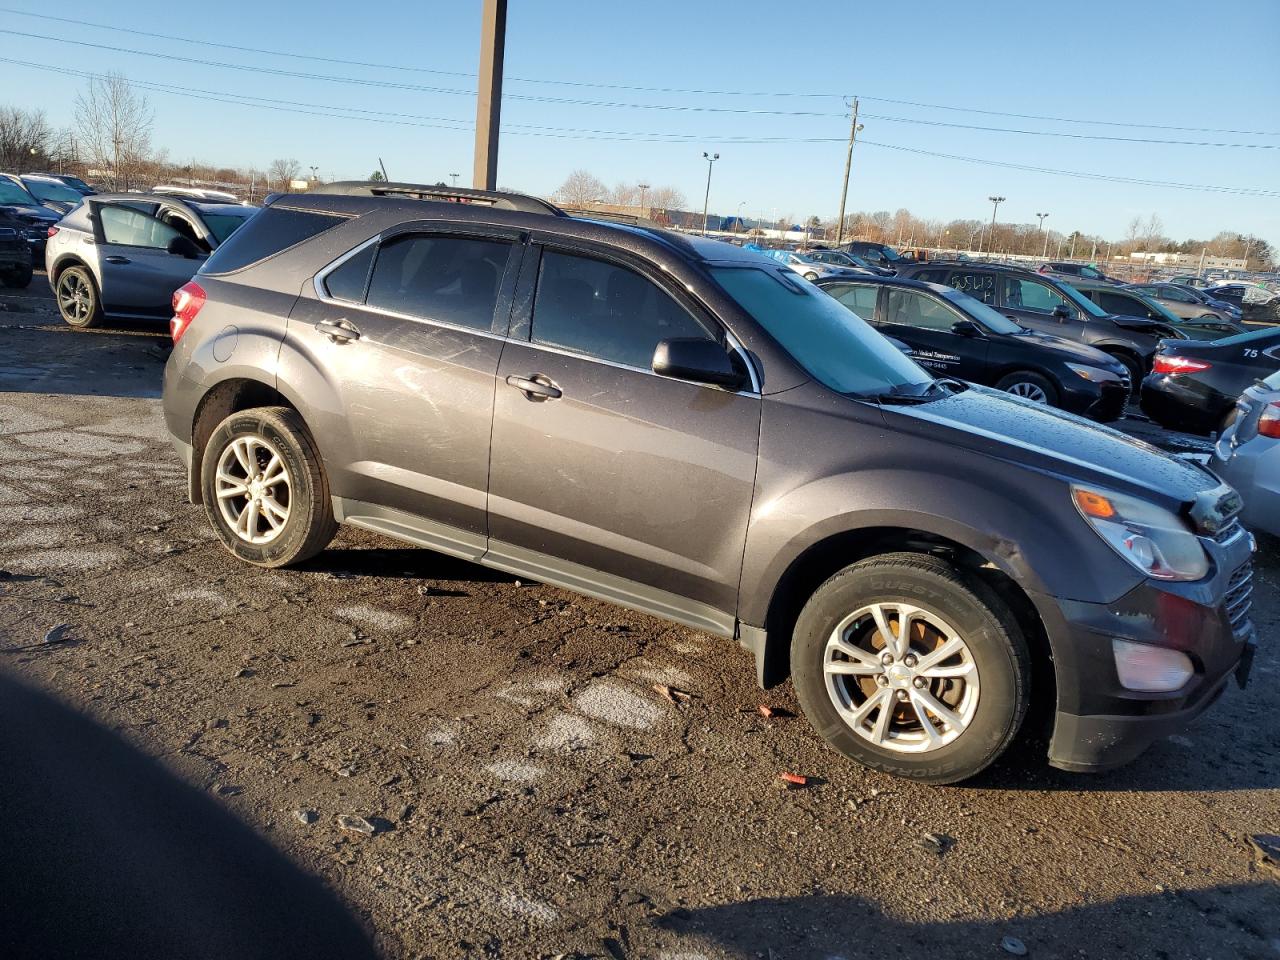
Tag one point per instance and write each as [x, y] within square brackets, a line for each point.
[1099, 724]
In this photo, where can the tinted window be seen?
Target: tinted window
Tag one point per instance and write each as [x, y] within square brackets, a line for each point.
[447, 279]
[1176, 295]
[46, 190]
[133, 228]
[930, 276]
[977, 310]
[1125, 306]
[223, 225]
[980, 286]
[858, 297]
[910, 308]
[270, 231]
[348, 281]
[10, 192]
[1020, 294]
[605, 311]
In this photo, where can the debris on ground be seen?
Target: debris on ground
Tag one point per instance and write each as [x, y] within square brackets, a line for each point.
[674, 694]
[305, 817]
[792, 781]
[349, 821]
[772, 713]
[1014, 946]
[1266, 852]
[58, 633]
[935, 843]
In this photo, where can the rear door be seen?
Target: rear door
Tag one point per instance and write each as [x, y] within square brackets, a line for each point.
[136, 272]
[1032, 303]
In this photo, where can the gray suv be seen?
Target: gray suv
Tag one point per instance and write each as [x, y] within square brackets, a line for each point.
[692, 430]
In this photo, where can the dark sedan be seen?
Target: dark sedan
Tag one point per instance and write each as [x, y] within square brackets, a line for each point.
[1131, 302]
[956, 335]
[1194, 384]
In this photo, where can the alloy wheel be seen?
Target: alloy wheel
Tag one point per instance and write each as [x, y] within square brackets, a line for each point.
[1028, 390]
[253, 488]
[75, 299]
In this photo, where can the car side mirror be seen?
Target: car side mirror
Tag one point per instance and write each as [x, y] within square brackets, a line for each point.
[182, 246]
[699, 360]
[1062, 312]
[965, 328]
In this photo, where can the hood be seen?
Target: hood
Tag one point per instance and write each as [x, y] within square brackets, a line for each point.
[1052, 442]
[1074, 351]
[32, 214]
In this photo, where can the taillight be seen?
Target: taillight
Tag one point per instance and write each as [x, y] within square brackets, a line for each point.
[187, 301]
[1269, 422]
[52, 231]
[1176, 365]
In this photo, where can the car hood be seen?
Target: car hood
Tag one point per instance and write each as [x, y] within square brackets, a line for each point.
[31, 214]
[1053, 442]
[1071, 350]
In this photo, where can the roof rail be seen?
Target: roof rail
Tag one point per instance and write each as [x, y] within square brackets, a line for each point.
[499, 199]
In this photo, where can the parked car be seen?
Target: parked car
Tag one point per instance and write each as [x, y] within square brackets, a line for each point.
[1078, 271]
[1189, 281]
[1243, 296]
[75, 183]
[52, 193]
[876, 254]
[689, 429]
[197, 193]
[1127, 301]
[1194, 384]
[838, 258]
[15, 252]
[1247, 454]
[1188, 302]
[1050, 306]
[124, 254]
[809, 268]
[953, 334]
[35, 218]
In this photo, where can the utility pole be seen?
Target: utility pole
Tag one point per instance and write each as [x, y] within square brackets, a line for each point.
[493, 38]
[644, 188]
[991, 236]
[1200, 269]
[455, 178]
[706, 199]
[1044, 252]
[854, 127]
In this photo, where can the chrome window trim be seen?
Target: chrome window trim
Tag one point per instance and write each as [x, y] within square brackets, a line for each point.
[319, 279]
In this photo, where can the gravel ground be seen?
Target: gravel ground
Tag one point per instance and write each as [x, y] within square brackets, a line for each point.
[389, 752]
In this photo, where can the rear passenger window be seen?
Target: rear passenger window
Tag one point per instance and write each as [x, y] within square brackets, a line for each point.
[859, 298]
[930, 276]
[605, 311]
[267, 233]
[980, 286]
[447, 279]
[1022, 294]
[348, 280]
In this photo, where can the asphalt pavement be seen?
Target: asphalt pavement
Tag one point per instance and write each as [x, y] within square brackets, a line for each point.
[391, 752]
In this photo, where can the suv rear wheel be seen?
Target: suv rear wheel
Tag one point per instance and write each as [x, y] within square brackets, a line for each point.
[907, 666]
[78, 298]
[264, 489]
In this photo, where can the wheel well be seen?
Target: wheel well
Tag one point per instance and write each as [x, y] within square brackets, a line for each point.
[824, 559]
[66, 262]
[1124, 352]
[226, 398]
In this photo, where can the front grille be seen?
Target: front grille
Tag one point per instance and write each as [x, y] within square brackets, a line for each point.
[1239, 598]
[1228, 533]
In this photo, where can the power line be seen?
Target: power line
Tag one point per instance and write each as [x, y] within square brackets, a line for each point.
[637, 88]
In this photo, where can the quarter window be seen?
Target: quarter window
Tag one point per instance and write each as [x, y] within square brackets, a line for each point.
[451, 280]
[349, 279]
[133, 228]
[605, 311]
[1020, 294]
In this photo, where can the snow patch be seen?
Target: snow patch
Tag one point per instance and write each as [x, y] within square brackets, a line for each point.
[619, 706]
[366, 616]
[515, 771]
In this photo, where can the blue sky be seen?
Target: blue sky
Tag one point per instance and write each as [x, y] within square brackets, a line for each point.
[1181, 64]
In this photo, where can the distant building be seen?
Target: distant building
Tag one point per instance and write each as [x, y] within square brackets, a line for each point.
[1187, 261]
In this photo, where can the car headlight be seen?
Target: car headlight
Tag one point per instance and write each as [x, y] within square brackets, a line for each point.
[1153, 539]
[1093, 374]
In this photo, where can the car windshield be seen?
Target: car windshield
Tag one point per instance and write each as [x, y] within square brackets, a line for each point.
[890, 254]
[223, 225]
[10, 192]
[50, 190]
[835, 345]
[1165, 313]
[992, 319]
[1080, 300]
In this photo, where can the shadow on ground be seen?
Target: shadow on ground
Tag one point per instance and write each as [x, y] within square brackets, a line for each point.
[107, 855]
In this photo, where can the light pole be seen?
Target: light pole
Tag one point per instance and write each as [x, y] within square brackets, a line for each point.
[1044, 252]
[455, 178]
[991, 236]
[314, 176]
[737, 221]
[644, 188]
[706, 199]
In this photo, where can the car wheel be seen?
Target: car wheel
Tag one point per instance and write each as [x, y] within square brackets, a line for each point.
[1030, 386]
[1211, 317]
[1135, 370]
[264, 489]
[909, 667]
[78, 298]
[811, 276]
[19, 278]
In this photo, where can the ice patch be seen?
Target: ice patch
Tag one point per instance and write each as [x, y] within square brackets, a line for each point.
[524, 907]
[619, 706]
[444, 735]
[672, 676]
[367, 616]
[10, 495]
[528, 692]
[515, 771]
[198, 596]
[14, 419]
[566, 733]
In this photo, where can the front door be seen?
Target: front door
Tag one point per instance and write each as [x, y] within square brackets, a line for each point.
[137, 273]
[641, 482]
[1037, 305]
[924, 323]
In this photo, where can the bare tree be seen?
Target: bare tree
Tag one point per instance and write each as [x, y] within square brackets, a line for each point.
[282, 172]
[664, 198]
[1152, 233]
[26, 139]
[114, 124]
[581, 188]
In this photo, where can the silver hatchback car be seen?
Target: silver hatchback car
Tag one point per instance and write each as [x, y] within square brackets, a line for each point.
[124, 254]
[1247, 454]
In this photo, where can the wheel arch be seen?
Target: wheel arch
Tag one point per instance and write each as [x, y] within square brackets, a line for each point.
[71, 260]
[219, 402]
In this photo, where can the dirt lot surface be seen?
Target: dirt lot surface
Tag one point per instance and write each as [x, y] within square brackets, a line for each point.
[390, 752]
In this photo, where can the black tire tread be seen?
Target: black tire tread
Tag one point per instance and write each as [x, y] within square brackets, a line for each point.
[95, 316]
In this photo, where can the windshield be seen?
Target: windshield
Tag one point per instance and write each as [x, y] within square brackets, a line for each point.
[46, 190]
[1081, 301]
[890, 254]
[10, 192]
[993, 320]
[1164, 312]
[223, 225]
[835, 345]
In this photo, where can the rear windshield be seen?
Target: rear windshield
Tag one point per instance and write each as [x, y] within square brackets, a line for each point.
[45, 190]
[272, 230]
[223, 225]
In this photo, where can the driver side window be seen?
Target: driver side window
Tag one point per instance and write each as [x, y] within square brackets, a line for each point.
[910, 308]
[133, 228]
[1020, 294]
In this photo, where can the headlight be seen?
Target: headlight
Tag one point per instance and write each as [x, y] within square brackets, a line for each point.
[1093, 374]
[1153, 539]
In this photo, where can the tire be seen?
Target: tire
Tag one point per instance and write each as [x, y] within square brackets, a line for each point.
[78, 299]
[995, 652]
[19, 278]
[1031, 386]
[258, 436]
[1133, 366]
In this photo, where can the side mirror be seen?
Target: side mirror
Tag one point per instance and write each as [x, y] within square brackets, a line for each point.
[1062, 312]
[965, 328]
[698, 360]
[182, 246]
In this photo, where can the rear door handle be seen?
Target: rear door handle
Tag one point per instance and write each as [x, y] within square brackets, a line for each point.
[338, 331]
[120, 260]
[537, 387]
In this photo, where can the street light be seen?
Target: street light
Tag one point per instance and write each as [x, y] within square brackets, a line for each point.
[991, 236]
[644, 188]
[706, 199]
[1045, 251]
[314, 177]
[455, 178]
[737, 220]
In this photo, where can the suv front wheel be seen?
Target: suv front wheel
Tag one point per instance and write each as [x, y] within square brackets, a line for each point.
[911, 668]
[264, 489]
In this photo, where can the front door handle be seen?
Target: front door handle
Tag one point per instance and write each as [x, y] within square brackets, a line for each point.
[536, 387]
[119, 260]
[338, 331]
